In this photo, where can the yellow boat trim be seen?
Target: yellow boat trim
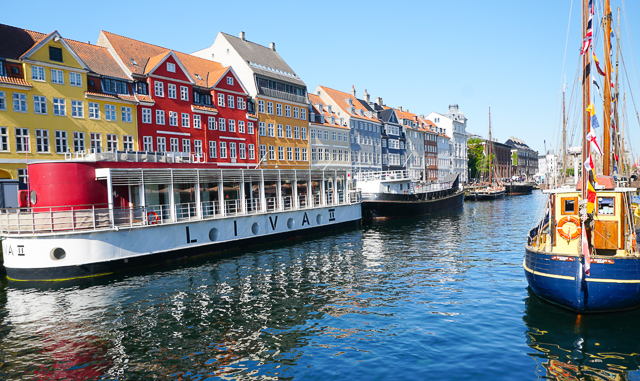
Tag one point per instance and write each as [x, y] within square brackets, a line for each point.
[60, 279]
[545, 274]
[612, 280]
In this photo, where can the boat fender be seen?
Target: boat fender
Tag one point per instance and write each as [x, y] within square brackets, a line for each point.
[575, 234]
[153, 218]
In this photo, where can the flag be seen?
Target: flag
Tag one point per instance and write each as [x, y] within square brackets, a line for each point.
[586, 42]
[585, 251]
[594, 121]
[598, 65]
[597, 88]
[593, 140]
[591, 109]
[591, 188]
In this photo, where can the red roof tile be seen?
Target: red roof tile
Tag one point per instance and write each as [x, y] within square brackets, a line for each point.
[14, 81]
[340, 98]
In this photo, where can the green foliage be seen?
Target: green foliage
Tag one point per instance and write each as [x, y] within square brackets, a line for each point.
[475, 155]
[514, 158]
[569, 171]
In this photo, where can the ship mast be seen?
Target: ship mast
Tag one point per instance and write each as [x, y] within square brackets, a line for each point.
[490, 144]
[617, 136]
[586, 81]
[564, 139]
[606, 160]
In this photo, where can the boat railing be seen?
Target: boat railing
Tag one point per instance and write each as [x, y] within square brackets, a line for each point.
[100, 216]
[96, 154]
[382, 175]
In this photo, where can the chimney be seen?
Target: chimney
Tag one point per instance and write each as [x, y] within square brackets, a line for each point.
[272, 46]
[400, 108]
[242, 36]
[379, 101]
[353, 91]
[367, 98]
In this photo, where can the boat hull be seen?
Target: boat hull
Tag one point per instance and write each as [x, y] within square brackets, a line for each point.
[518, 189]
[102, 252]
[398, 206]
[613, 283]
[485, 196]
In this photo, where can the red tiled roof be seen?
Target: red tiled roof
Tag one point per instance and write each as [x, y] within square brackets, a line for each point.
[203, 108]
[14, 81]
[16, 41]
[315, 100]
[98, 59]
[340, 97]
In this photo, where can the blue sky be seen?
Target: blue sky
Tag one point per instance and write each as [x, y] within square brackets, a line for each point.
[421, 55]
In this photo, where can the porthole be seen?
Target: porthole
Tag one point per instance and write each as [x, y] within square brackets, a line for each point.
[58, 253]
[34, 197]
[291, 223]
[214, 234]
[319, 219]
[255, 228]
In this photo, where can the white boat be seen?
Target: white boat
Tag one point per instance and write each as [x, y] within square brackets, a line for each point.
[110, 212]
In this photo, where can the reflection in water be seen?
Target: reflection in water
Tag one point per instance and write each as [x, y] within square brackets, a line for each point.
[582, 347]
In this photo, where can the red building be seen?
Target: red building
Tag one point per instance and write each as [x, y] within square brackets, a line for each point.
[188, 106]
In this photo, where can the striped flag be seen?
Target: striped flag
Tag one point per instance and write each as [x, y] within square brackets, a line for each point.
[585, 251]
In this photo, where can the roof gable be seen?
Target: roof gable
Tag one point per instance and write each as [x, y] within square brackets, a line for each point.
[236, 85]
[40, 51]
[159, 65]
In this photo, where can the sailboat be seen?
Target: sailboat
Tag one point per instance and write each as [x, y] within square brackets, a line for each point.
[582, 255]
[491, 191]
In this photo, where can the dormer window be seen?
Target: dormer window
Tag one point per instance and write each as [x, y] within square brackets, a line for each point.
[55, 54]
[230, 81]
[141, 88]
[171, 67]
[350, 101]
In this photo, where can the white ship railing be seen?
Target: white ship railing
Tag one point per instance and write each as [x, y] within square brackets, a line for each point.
[95, 217]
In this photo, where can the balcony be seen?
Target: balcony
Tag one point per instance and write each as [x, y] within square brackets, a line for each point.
[282, 95]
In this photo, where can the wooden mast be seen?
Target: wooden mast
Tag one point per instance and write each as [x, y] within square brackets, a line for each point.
[490, 144]
[586, 81]
[564, 140]
[606, 159]
[616, 94]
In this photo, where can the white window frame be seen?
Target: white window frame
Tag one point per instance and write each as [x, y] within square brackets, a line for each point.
[270, 108]
[112, 142]
[110, 112]
[20, 102]
[4, 139]
[173, 118]
[158, 87]
[287, 111]
[184, 93]
[171, 67]
[77, 109]
[127, 143]
[220, 100]
[222, 124]
[40, 104]
[250, 128]
[38, 73]
[57, 76]
[231, 101]
[59, 107]
[3, 101]
[42, 141]
[174, 144]
[229, 80]
[261, 106]
[252, 152]
[147, 143]
[186, 145]
[212, 123]
[94, 110]
[75, 79]
[223, 150]
[146, 115]
[232, 125]
[241, 129]
[160, 117]
[233, 154]
[22, 140]
[242, 151]
[172, 91]
[95, 142]
[197, 121]
[161, 144]
[213, 152]
[78, 141]
[289, 153]
[126, 114]
[278, 109]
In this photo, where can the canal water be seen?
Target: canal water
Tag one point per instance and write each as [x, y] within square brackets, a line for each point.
[441, 298]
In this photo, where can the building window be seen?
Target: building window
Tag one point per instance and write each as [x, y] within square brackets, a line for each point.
[252, 152]
[296, 112]
[242, 105]
[280, 153]
[159, 87]
[173, 118]
[230, 81]
[78, 141]
[289, 132]
[57, 76]
[59, 107]
[263, 151]
[303, 130]
[39, 104]
[241, 126]
[303, 113]
[22, 139]
[3, 101]
[196, 121]
[232, 151]
[271, 131]
[112, 142]
[172, 91]
[289, 153]
[250, 128]
[37, 73]
[270, 108]
[42, 141]
[146, 115]
[272, 152]
[261, 129]
[147, 143]
[313, 133]
[212, 123]
[297, 153]
[96, 142]
[261, 106]
[22, 175]
[186, 145]
[4, 139]
[75, 79]
[222, 124]
[159, 116]
[61, 141]
[230, 101]
[171, 67]
[94, 110]
[212, 149]
[110, 112]
[280, 131]
[161, 143]
[304, 154]
[77, 109]
[278, 109]
[197, 148]
[184, 93]
[243, 150]
[223, 150]
[220, 100]
[127, 143]
[126, 113]
[19, 102]
[296, 132]
[55, 54]
[287, 111]
[175, 144]
[232, 125]
[314, 154]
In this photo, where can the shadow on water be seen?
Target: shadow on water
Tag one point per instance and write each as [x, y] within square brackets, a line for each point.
[582, 347]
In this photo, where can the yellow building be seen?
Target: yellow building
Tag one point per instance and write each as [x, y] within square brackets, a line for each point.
[59, 98]
[280, 96]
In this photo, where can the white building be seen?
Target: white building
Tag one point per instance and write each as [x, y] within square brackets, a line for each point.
[455, 125]
[444, 156]
[328, 137]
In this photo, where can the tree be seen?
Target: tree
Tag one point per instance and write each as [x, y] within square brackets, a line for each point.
[569, 171]
[475, 154]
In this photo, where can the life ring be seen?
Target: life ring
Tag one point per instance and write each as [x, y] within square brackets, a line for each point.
[153, 218]
[573, 219]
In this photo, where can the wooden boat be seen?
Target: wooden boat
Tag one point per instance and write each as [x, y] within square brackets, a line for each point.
[582, 254]
[491, 191]
[518, 188]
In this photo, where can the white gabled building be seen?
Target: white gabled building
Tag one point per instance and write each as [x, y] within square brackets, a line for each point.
[454, 123]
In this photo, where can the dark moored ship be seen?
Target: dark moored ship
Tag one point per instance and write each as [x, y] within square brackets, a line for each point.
[518, 188]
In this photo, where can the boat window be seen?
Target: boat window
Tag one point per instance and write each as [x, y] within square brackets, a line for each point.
[569, 205]
[605, 205]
